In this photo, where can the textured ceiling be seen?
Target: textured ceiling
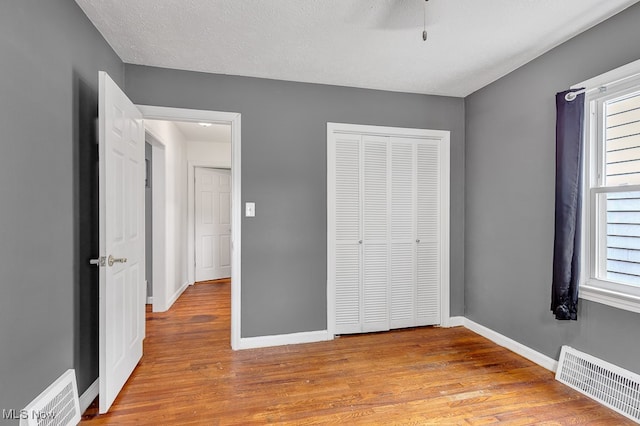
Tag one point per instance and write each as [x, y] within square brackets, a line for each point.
[361, 43]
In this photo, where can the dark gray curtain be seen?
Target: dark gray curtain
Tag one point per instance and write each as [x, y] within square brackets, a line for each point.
[566, 248]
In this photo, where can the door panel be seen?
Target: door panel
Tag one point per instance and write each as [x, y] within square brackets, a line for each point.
[375, 275]
[347, 191]
[428, 284]
[375, 315]
[402, 285]
[374, 188]
[121, 194]
[428, 232]
[403, 245]
[212, 223]
[348, 297]
[347, 242]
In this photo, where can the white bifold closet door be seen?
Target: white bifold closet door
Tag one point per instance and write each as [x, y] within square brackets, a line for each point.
[361, 233]
[385, 231]
[415, 225]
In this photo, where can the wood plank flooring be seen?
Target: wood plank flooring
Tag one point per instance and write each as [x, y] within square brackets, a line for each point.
[190, 376]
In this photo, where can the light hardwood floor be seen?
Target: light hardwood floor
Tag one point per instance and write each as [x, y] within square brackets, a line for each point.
[189, 375]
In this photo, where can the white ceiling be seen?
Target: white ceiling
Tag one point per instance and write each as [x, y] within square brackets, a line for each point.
[220, 133]
[361, 43]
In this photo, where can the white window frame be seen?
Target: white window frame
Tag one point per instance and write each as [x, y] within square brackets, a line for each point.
[610, 85]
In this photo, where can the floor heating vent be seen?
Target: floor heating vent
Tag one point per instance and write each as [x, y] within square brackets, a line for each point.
[58, 405]
[615, 387]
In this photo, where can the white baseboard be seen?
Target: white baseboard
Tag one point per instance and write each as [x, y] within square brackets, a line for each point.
[323, 335]
[176, 295]
[455, 322]
[283, 339]
[89, 395]
[522, 350]
[150, 300]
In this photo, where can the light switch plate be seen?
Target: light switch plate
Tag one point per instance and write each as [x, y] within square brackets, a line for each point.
[250, 209]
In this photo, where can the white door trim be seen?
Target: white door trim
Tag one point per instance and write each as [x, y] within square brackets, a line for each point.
[443, 136]
[233, 119]
[160, 300]
[191, 225]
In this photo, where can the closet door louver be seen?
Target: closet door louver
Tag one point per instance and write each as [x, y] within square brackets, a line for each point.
[374, 219]
[347, 234]
[402, 288]
[428, 232]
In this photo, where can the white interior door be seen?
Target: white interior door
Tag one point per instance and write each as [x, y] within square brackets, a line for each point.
[122, 239]
[212, 223]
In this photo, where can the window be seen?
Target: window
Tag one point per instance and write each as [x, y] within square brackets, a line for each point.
[611, 202]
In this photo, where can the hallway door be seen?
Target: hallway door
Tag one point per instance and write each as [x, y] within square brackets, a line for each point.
[212, 223]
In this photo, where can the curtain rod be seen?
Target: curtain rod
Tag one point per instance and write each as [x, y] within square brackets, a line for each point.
[601, 88]
[573, 95]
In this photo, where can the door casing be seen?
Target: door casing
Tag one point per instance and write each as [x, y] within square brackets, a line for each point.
[234, 120]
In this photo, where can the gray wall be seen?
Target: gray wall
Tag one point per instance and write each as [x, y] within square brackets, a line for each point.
[284, 172]
[49, 59]
[510, 175]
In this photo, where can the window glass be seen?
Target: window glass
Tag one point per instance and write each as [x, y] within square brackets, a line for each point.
[622, 141]
[622, 237]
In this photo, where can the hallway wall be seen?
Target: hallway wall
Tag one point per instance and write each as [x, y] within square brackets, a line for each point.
[175, 149]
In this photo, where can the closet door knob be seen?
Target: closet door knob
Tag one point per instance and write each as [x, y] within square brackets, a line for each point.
[417, 241]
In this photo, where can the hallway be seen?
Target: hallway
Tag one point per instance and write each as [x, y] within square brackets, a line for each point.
[190, 375]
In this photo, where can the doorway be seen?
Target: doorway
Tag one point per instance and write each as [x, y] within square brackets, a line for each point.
[233, 120]
[155, 222]
[148, 220]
